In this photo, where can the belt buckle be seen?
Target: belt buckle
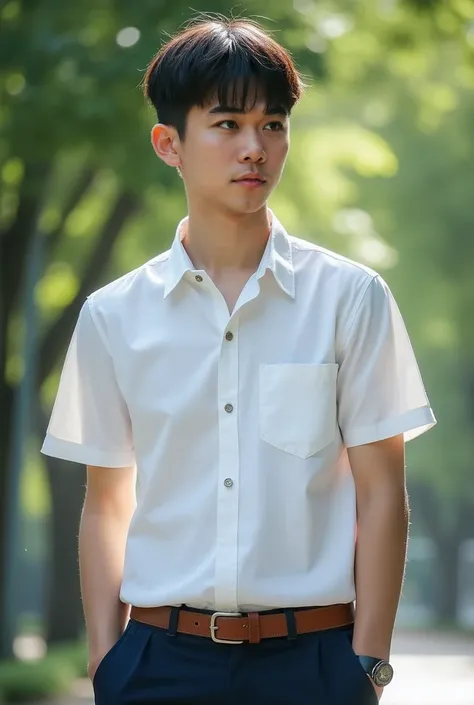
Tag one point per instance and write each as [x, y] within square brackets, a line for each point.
[214, 627]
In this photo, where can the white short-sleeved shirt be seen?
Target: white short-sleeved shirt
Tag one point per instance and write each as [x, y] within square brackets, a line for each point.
[239, 424]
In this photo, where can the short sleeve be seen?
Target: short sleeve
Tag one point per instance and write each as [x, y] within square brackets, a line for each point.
[89, 423]
[380, 390]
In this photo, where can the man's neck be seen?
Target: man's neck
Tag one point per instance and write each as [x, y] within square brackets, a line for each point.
[219, 243]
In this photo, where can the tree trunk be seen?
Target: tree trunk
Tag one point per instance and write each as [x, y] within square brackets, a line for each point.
[447, 580]
[15, 241]
[64, 608]
[447, 536]
[6, 415]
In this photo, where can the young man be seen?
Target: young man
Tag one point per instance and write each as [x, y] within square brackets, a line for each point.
[259, 389]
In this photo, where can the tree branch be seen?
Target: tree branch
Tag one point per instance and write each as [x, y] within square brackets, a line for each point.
[15, 239]
[56, 338]
[75, 196]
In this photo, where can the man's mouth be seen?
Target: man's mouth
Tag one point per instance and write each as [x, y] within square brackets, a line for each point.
[250, 179]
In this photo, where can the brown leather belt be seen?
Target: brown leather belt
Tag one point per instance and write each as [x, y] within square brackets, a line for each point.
[234, 628]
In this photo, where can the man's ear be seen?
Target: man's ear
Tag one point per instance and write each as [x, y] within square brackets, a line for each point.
[165, 141]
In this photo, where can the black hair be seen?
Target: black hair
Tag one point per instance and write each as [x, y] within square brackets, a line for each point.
[233, 60]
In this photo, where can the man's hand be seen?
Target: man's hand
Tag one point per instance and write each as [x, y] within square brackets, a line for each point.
[95, 661]
[92, 668]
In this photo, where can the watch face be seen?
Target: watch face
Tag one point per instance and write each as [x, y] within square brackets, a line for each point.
[382, 674]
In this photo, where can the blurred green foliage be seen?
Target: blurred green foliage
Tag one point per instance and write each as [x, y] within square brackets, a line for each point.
[53, 675]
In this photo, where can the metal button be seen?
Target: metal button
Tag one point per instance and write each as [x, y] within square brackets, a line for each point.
[229, 408]
[228, 482]
[229, 335]
[198, 278]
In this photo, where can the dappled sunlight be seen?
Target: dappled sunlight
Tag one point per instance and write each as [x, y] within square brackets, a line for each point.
[57, 288]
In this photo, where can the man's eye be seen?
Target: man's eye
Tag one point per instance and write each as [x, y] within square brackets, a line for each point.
[275, 126]
[227, 124]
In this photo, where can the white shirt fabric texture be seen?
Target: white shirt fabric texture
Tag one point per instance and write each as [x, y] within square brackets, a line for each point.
[239, 424]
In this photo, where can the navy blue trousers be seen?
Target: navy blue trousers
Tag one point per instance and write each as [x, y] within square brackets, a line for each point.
[147, 666]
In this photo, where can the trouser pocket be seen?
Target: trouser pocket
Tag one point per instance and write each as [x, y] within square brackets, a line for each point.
[346, 682]
[118, 665]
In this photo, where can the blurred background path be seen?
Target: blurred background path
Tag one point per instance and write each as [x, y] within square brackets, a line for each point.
[432, 670]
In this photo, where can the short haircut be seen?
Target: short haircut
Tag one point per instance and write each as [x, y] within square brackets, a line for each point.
[232, 60]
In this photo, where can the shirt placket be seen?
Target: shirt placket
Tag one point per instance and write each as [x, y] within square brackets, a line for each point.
[226, 576]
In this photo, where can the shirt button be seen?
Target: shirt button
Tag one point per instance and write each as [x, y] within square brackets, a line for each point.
[229, 408]
[198, 278]
[228, 482]
[229, 335]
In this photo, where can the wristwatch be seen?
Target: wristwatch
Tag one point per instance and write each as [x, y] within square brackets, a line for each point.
[378, 669]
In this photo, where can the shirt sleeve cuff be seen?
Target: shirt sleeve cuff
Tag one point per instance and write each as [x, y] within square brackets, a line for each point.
[78, 453]
[412, 424]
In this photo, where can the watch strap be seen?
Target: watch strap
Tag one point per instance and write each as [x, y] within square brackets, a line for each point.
[368, 663]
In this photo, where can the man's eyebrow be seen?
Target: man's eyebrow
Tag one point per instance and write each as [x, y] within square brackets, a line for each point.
[233, 109]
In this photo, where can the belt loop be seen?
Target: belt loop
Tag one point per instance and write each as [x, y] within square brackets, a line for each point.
[173, 623]
[254, 627]
[291, 624]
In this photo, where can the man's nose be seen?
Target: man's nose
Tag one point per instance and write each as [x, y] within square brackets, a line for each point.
[252, 148]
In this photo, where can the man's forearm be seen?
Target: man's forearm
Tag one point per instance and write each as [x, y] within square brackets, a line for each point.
[102, 539]
[383, 518]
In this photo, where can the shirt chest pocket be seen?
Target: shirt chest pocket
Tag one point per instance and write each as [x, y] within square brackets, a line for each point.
[298, 410]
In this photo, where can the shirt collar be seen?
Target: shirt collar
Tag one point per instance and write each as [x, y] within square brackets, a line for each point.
[277, 257]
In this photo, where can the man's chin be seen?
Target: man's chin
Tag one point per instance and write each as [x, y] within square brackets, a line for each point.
[241, 206]
[249, 205]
